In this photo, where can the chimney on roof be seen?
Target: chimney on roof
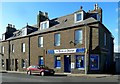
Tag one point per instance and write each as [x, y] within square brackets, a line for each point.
[81, 7]
[96, 7]
[42, 16]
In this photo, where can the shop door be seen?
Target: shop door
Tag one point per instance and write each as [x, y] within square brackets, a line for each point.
[16, 64]
[67, 63]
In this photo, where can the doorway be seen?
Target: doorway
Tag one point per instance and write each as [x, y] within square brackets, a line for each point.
[7, 64]
[16, 64]
[67, 63]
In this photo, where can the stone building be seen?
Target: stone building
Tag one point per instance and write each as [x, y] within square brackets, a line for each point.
[75, 43]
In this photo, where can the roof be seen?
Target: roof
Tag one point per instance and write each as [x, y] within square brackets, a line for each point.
[61, 23]
[66, 22]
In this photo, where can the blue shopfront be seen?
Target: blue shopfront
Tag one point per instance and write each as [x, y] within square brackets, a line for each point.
[73, 60]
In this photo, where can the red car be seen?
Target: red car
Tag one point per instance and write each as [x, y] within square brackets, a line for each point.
[42, 70]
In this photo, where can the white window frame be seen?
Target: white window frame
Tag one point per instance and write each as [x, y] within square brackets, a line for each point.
[13, 50]
[81, 40]
[24, 31]
[42, 25]
[23, 47]
[40, 41]
[3, 36]
[2, 49]
[75, 17]
[56, 43]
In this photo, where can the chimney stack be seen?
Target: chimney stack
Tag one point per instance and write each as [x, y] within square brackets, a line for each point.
[96, 7]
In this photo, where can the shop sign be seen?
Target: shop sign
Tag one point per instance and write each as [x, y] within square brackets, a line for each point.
[65, 51]
[61, 51]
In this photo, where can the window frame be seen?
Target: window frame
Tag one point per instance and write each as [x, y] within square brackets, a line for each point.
[56, 39]
[23, 63]
[81, 39]
[40, 42]
[23, 47]
[43, 26]
[40, 61]
[12, 48]
[75, 16]
[94, 56]
[78, 66]
[57, 62]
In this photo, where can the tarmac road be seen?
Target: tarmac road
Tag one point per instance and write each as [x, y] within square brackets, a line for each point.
[20, 77]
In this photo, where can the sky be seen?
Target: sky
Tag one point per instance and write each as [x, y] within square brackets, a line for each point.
[21, 13]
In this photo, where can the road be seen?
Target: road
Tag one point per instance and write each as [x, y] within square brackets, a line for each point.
[18, 77]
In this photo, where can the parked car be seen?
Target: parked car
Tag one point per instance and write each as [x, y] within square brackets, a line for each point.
[42, 70]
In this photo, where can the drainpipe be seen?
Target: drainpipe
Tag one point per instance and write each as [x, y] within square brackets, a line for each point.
[28, 51]
[86, 48]
[9, 55]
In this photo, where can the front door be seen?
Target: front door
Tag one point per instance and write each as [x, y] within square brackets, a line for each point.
[16, 64]
[67, 63]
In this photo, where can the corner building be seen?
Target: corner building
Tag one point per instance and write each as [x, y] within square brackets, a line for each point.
[76, 43]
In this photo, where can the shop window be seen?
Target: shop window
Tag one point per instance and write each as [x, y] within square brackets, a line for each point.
[23, 63]
[57, 39]
[41, 61]
[57, 62]
[40, 41]
[94, 62]
[78, 37]
[79, 61]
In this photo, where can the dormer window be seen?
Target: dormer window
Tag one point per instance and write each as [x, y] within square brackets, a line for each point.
[24, 31]
[78, 16]
[3, 36]
[44, 25]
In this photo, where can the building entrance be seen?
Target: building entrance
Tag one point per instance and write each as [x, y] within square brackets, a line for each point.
[67, 63]
[16, 64]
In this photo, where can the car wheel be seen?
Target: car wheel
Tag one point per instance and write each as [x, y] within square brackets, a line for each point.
[42, 73]
[29, 72]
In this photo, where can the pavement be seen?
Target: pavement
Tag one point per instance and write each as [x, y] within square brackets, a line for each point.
[67, 74]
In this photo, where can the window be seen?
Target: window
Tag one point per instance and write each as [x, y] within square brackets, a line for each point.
[3, 65]
[24, 31]
[23, 63]
[95, 16]
[57, 62]
[79, 61]
[12, 45]
[78, 37]
[94, 62]
[44, 25]
[57, 39]
[78, 16]
[105, 37]
[23, 47]
[3, 36]
[41, 62]
[40, 41]
[2, 49]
